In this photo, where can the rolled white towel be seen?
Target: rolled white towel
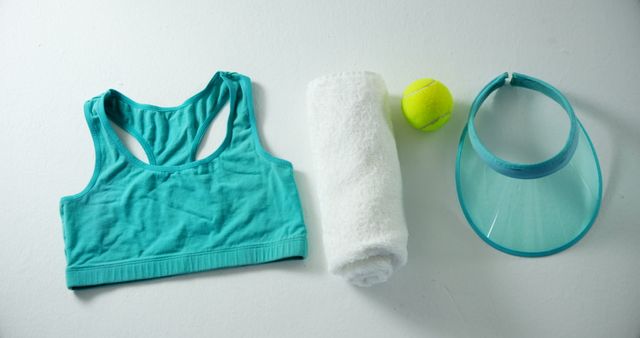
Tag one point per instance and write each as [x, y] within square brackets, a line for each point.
[357, 176]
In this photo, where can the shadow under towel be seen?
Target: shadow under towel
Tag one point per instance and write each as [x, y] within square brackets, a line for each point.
[357, 176]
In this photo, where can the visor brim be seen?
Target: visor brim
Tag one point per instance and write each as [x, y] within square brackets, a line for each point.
[530, 217]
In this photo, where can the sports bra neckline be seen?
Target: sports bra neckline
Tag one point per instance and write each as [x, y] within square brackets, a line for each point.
[220, 78]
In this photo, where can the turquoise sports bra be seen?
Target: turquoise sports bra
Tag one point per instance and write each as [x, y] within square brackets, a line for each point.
[175, 214]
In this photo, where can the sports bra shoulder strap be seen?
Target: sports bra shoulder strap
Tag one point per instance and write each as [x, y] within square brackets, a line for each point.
[245, 140]
[241, 119]
[104, 153]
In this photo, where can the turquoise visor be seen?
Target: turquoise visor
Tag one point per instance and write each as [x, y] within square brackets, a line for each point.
[535, 209]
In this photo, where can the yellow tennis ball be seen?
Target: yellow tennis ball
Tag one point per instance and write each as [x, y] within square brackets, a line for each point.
[427, 104]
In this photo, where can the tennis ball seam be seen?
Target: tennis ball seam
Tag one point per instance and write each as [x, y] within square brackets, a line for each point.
[420, 89]
[435, 120]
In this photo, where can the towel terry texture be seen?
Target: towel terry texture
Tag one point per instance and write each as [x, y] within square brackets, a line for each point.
[357, 176]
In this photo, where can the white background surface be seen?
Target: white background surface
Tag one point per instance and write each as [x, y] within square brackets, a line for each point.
[54, 55]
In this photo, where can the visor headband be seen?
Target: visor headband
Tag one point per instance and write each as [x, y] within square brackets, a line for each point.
[522, 170]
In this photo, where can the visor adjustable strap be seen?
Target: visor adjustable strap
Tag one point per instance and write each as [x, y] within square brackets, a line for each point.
[521, 170]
